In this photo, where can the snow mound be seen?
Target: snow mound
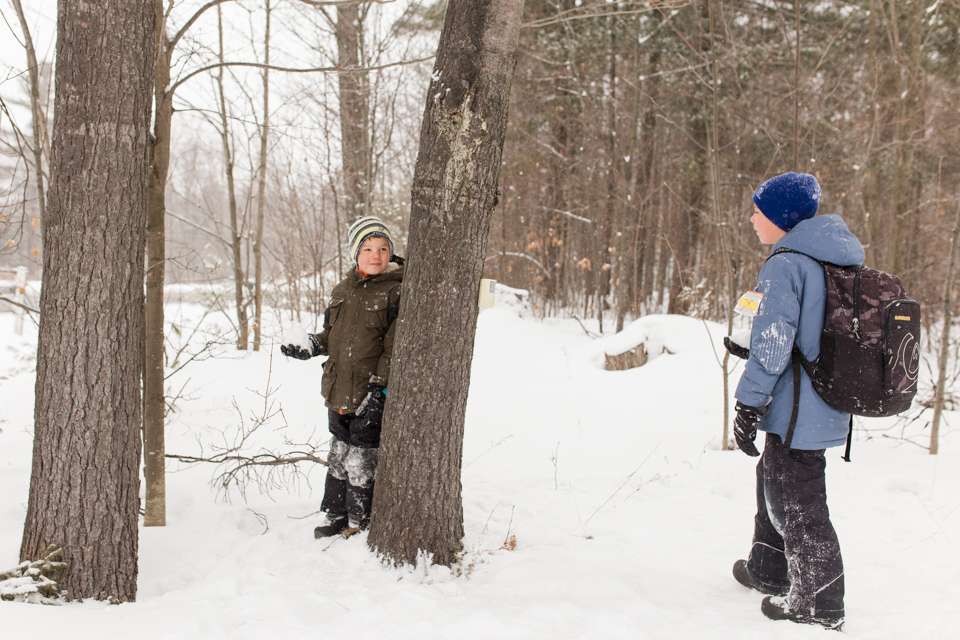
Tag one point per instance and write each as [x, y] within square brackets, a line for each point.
[659, 335]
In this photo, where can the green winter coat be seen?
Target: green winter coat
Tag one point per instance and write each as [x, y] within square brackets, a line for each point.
[358, 331]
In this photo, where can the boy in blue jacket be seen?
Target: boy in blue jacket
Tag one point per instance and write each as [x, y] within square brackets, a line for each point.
[795, 557]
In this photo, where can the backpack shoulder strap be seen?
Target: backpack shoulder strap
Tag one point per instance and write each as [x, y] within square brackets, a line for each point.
[799, 253]
[797, 359]
[798, 362]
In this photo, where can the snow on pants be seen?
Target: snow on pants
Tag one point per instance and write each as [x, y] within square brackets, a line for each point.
[354, 450]
[794, 542]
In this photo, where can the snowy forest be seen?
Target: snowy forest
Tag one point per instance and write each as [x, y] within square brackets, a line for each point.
[637, 133]
[576, 439]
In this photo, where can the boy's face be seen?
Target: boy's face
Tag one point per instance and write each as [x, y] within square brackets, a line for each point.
[768, 232]
[374, 256]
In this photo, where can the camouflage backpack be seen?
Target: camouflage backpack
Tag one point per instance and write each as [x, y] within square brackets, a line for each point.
[869, 349]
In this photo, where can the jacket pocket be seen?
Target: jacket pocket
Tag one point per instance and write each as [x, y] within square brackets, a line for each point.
[329, 377]
[375, 307]
[333, 310]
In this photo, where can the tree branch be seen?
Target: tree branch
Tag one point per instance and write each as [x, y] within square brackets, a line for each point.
[189, 23]
[17, 304]
[258, 65]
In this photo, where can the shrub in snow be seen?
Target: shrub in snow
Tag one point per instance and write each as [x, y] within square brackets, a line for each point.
[34, 581]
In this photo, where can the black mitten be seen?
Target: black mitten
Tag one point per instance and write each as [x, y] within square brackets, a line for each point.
[745, 427]
[298, 352]
[736, 350]
[373, 401]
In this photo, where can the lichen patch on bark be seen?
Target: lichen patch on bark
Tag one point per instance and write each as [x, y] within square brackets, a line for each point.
[458, 128]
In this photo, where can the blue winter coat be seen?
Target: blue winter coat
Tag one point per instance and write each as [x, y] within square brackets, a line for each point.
[794, 295]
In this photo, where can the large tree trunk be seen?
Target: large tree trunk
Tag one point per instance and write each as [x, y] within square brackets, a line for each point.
[417, 505]
[84, 487]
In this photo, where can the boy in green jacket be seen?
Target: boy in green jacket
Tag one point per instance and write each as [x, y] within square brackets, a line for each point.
[358, 331]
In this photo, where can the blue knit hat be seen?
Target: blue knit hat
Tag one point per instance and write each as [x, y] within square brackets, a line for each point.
[788, 199]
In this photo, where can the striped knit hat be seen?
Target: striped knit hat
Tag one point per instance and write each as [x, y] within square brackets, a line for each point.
[364, 228]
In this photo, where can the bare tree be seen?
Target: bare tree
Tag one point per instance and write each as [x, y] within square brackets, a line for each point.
[41, 142]
[261, 189]
[84, 487]
[417, 503]
[944, 339]
[154, 408]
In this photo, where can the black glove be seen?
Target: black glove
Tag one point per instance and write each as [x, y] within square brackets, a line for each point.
[745, 427]
[298, 352]
[737, 350]
[373, 402]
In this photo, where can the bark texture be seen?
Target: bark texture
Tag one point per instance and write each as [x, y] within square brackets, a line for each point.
[417, 505]
[84, 485]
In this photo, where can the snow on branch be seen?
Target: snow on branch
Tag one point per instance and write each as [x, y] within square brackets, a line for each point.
[34, 581]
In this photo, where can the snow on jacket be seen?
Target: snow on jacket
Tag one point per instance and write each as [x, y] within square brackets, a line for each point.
[358, 333]
[794, 297]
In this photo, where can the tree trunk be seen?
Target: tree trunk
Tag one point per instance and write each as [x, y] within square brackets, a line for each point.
[236, 235]
[354, 111]
[84, 487]
[261, 191]
[417, 504]
[719, 219]
[154, 407]
[944, 340]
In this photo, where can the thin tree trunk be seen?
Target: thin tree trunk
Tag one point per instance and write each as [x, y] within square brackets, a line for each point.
[243, 329]
[84, 486]
[944, 340]
[417, 506]
[261, 190]
[354, 110]
[154, 407]
[39, 121]
[907, 53]
[796, 99]
[721, 224]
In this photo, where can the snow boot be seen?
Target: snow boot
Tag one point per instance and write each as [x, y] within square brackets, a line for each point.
[331, 526]
[741, 571]
[776, 608]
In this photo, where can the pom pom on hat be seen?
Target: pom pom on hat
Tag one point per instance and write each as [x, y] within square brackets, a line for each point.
[788, 199]
[364, 228]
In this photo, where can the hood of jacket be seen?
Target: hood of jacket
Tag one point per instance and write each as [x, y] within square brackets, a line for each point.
[825, 238]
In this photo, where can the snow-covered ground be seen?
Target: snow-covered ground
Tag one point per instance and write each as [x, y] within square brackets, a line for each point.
[626, 515]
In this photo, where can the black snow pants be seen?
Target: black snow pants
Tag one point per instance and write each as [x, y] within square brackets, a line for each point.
[354, 450]
[794, 542]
